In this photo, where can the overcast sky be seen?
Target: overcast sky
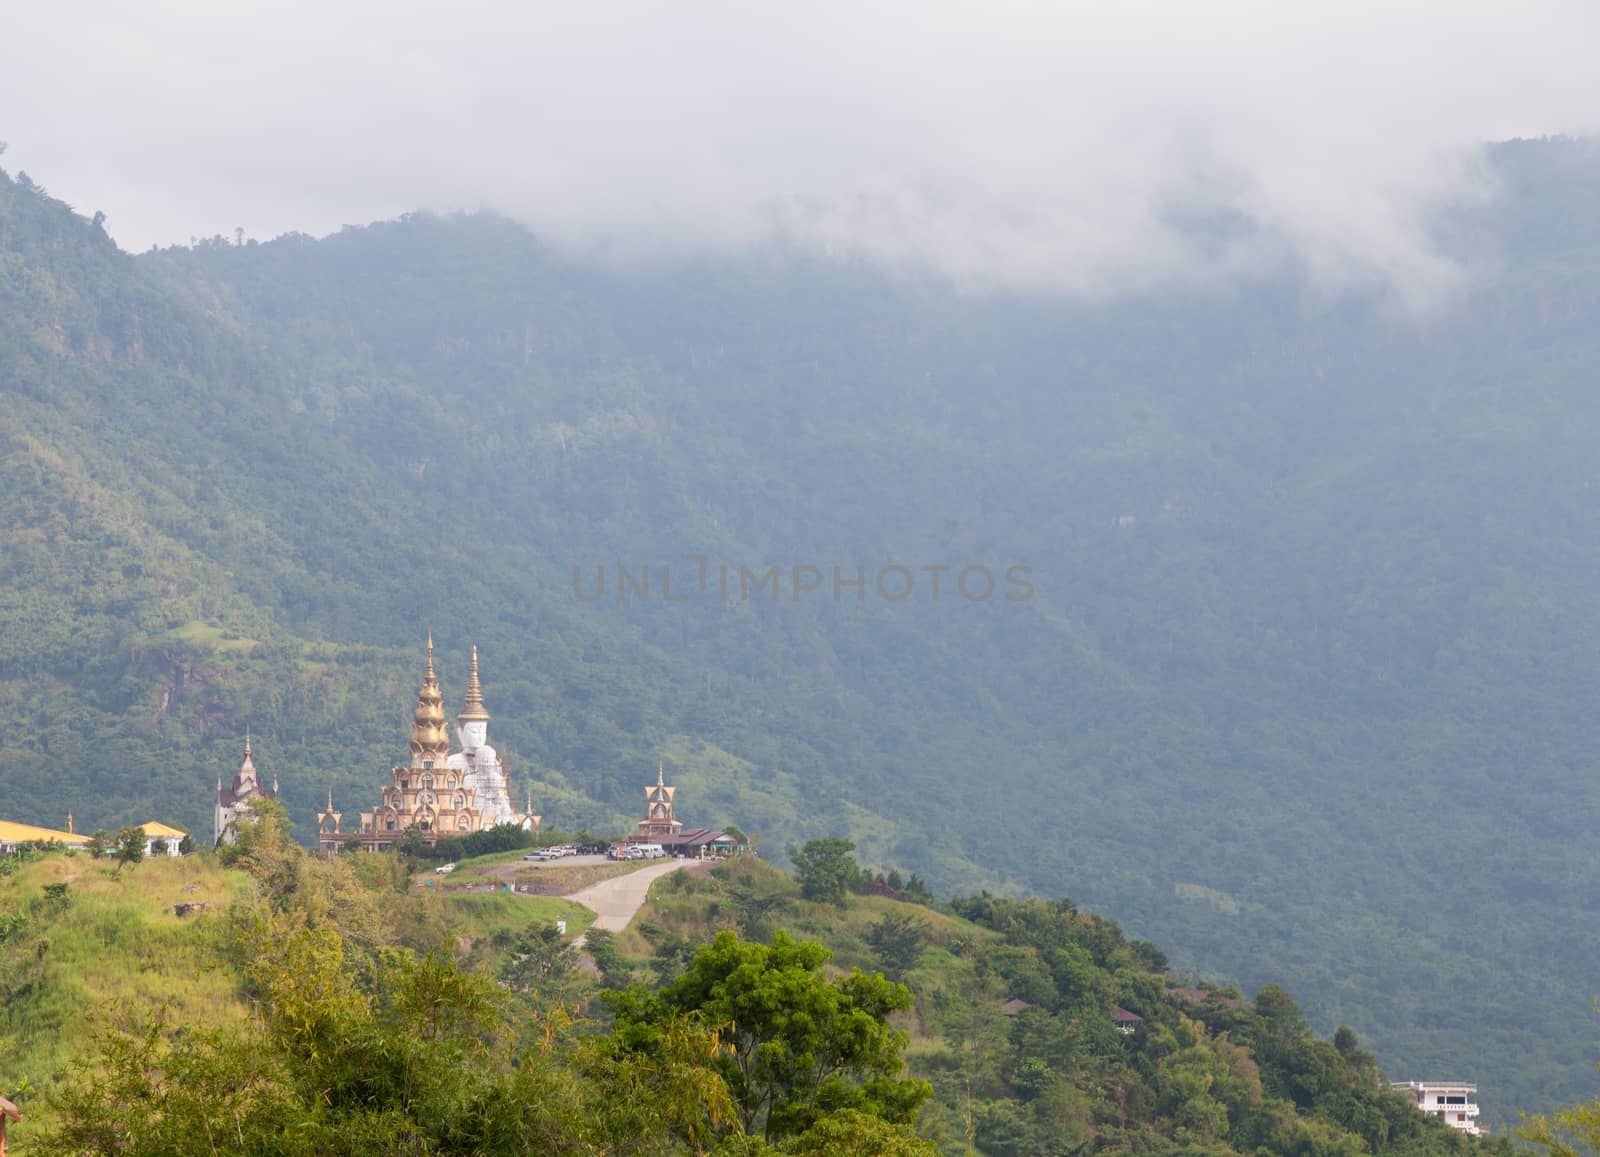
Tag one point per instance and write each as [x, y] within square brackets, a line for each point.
[1023, 144]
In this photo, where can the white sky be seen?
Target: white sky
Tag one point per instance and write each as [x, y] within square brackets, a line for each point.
[1022, 144]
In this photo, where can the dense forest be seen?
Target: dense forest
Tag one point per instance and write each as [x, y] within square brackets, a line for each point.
[317, 1007]
[1303, 689]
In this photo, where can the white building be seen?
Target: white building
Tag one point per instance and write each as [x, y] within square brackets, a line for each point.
[166, 835]
[236, 800]
[479, 763]
[1453, 1102]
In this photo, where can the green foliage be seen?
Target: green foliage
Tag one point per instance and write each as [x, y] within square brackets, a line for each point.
[601, 945]
[128, 848]
[827, 869]
[339, 1004]
[799, 1045]
[898, 940]
[1571, 1132]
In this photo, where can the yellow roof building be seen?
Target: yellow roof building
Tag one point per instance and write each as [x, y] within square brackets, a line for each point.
[12, 834]
[155, 831]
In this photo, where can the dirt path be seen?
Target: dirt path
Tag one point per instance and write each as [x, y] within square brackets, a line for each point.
[616, 901]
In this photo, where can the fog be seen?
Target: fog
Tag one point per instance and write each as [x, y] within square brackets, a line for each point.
[1064, 147]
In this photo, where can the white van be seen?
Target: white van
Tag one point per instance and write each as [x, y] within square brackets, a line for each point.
[648, 851]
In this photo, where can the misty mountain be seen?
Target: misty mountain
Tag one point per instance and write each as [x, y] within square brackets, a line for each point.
[1304, 686]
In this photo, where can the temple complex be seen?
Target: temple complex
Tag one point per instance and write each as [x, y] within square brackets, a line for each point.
[434, 793]
[236, 800]
[661, 826]
[426, 794]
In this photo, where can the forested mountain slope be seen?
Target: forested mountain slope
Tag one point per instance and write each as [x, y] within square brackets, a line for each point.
[1304, 688]
[381, 1017]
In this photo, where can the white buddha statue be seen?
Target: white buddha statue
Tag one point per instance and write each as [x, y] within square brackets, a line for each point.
[477, 763]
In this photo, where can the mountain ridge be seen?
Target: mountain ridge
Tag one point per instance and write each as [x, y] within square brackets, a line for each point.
[1310, 628]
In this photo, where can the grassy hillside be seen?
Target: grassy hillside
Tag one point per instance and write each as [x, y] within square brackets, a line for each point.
[83, 944]
[128, 1029]
[1304, 689]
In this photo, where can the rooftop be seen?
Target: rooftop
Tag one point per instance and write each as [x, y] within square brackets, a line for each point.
[155, 831]
[13, 833]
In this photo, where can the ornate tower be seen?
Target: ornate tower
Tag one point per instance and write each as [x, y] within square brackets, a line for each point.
[429, 794]
[658, 820]
[234, 801]
[328, 826]
[473, 722]
[430, 734]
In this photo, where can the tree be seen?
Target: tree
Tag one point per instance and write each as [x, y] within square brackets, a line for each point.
[100, 842]
[799, 1046]
[897, 939]
[186, 845]
[1568, 1133]
[601, 946]
[129, 848]
[828, 870]
[539, 959]
[754, 903]
[916, 891]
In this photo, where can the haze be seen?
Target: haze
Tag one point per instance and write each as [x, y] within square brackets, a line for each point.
[1034, 146]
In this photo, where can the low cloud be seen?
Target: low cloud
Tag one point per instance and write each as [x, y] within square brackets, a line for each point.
[1080, 148]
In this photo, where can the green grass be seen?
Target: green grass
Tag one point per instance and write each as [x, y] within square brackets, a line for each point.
[115, 942]
[209, 637]
[482, 914]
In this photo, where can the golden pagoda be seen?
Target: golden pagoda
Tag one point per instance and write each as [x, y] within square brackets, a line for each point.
[426, 795]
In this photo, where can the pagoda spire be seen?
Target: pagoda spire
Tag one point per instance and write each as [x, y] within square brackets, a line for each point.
[474, 709]
[430, 735]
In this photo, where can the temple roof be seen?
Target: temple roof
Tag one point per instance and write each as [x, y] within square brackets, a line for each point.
[13, 833]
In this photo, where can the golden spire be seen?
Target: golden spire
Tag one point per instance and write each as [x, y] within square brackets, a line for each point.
[474, 709]
[69, 824]
[249, 763]
[330, 799]
[661, 773]
[430, 735]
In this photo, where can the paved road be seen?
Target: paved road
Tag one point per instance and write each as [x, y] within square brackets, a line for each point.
[615, 901]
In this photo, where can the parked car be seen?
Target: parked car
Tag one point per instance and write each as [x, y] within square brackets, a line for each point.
[443, 868]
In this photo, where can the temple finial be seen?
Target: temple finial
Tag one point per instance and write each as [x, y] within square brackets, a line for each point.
[661, 773]
[474, 708]
[247, 741]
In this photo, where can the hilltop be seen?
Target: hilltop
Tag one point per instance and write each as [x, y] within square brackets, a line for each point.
[1035, 1027]
[1309, 661]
